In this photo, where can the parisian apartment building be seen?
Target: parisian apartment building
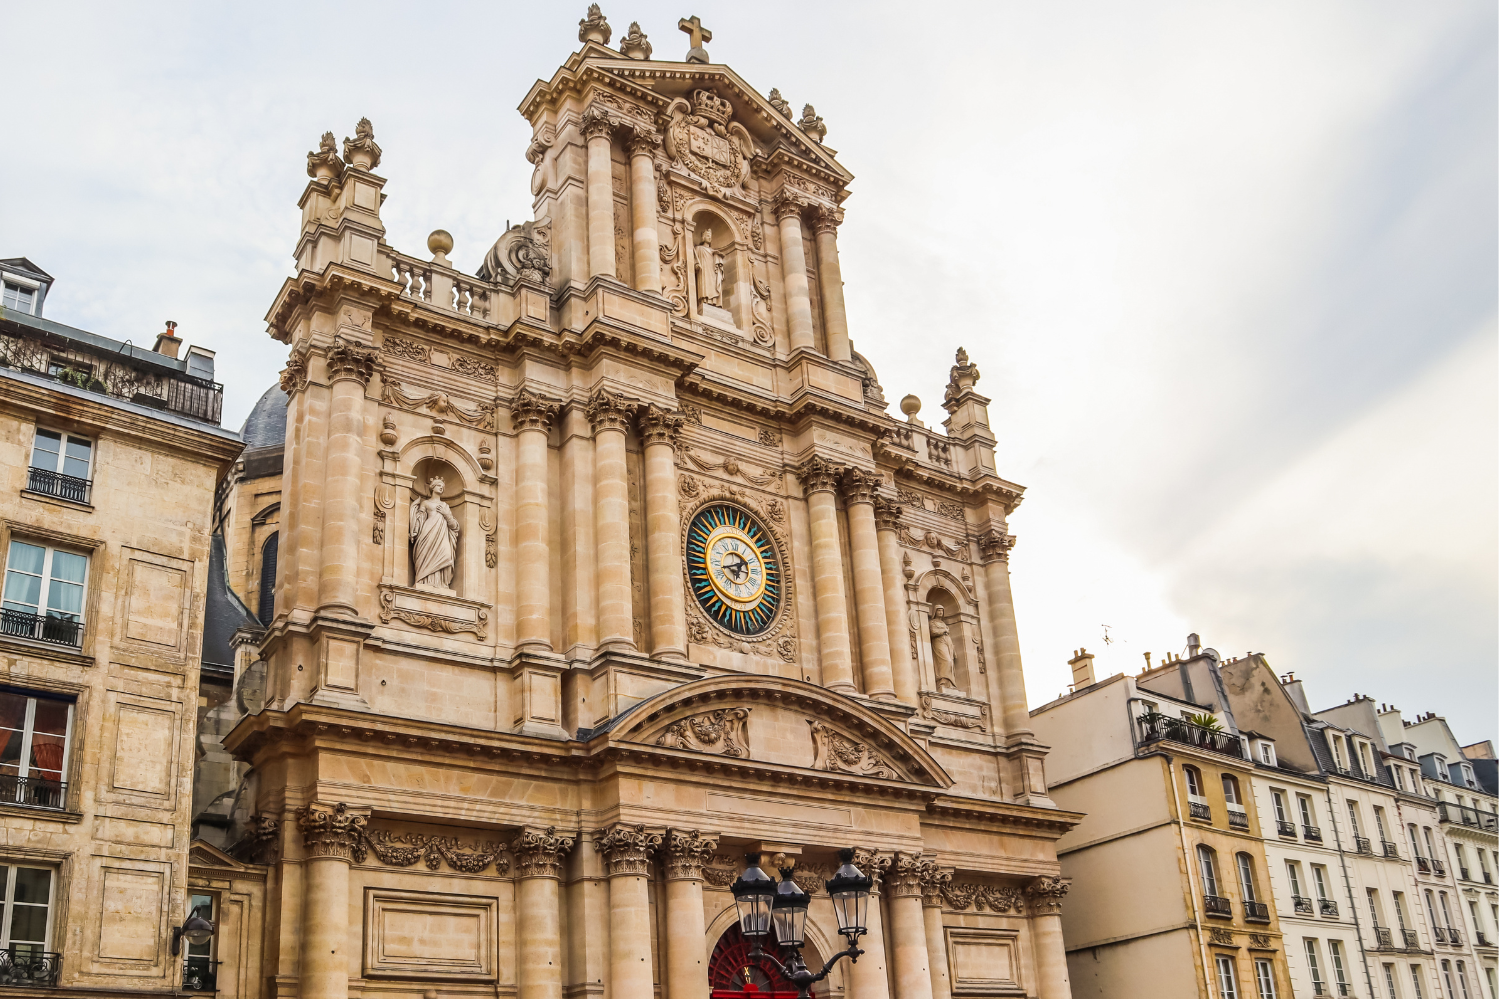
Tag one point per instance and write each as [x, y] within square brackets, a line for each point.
[1266, 848]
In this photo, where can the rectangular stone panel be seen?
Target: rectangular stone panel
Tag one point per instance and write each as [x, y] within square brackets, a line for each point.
[982, 962]
[736, 804]
[130, 832]
[429, 935]
[130, 915]
[155, 609]
[143, 749]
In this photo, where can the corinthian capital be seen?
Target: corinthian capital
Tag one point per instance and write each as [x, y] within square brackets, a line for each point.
[827, 219]
[538, 853]
[859, 485]
[934, 881]
[874, 864]
[609, 411]
[595, 122]
[1046, 895]
[817, 474]
[789, 203]
[659, 426]
[626, 849]
[349, 360]
[904, 877]
[886, 514]
[643, 141]
[995, 546]
[532, 412]
[332, 831]
[687, 853]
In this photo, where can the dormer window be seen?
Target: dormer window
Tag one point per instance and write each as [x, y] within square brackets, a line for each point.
[18, 298]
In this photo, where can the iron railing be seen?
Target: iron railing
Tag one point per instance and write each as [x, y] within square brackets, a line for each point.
[1438, 934]
[1423, 865]
[33, 792]
[1312, 833]
[1302, 905]
[1412, 942]
[1256, 912]
[29, 965]
[1384, 939]
[1454, 938]
[200, 974]
[1155, 726]
[1217, 905]
[1481, 939]
[1390, 849]
[1285, 828]
[1438, 868]
[1238, 819]
[1464, 815]
[1462, 873]
[1327, 906]
[1362, 845]
[41, 627]
[1200, 810]
[50, 483]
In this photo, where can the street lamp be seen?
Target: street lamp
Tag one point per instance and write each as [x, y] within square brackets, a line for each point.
[195, 928]
[760, 902]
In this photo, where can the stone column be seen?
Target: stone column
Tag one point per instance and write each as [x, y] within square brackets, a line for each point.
[643, 144]
[610, 415]
[597, 128]
[834, 316]
[627, 854]
[902, 668]
[933, 881]
[538, 871]
[913, 975]
[349, 369]
[333, 836]
[868, 975]
[687, 853]
[788, 210]
[995, 547]
[869, 595]
[1045, 896]
[820, 481]
[663, 529]
[532, 417]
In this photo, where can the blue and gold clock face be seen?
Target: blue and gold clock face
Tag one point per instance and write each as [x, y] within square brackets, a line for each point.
[733, 570]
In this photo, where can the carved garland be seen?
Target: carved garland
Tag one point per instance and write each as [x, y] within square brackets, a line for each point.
[405, 849]
[960, 896]
[731, 466]
[953, 718]
[439, 405]
[931, 541]
[433, 622]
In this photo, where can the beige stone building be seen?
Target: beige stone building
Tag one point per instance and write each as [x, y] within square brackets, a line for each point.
[109, 458]
[607, 564]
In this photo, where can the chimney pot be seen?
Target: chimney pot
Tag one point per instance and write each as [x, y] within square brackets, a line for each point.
[168, 342]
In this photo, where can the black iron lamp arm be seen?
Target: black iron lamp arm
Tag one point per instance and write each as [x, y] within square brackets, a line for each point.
[798, 973]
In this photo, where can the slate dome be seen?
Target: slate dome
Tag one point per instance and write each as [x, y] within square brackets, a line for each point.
[266, 424]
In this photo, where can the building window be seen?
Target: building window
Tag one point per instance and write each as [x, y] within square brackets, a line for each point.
[60, 465]
[1314, 967]
[1340, 975]
[1194, 782]
[1399, 901]
[1447, 979]
[1319, 876]
[1209, 870]
[1228, 986]
[199, 969]
[18, 298]
[1264, 977]
[1373, 897]
[1267, 754]
[267, 608]
[1246, 876]
[1389, 981]
[1416, 980]
[27, 920]
[1366, 759]
[1379, 826]
[1279, 801]
[1294, 874]
[1431, 911]
[43, 595]
[34, 758]
[1353, 823]
[1399, 773]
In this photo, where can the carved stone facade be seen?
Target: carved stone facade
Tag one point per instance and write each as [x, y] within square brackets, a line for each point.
[701, 600]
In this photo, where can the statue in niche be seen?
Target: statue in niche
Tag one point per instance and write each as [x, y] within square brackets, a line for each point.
[943, 657]
[709, 264]
[434, 538]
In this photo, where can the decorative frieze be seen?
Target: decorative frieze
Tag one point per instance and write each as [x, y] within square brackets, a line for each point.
[960, 896]
[724, 732]
[332, 831]
[1046, 893]
[439, 405]
[428, 621]
[954, 718]
[627, 850]
[538, 853]
[840, 754]
[405, 849]
[688, 853]
[732, 466]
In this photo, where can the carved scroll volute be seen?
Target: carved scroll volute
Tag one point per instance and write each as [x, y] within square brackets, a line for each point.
[687, 853]
[1046, 894]
[627, 850]
[333, 830]
[539, 853]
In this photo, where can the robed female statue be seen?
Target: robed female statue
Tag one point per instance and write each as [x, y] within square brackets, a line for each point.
[943, 659]
[434, 538]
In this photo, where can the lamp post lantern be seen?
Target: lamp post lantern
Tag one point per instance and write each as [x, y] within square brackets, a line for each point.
[761, 902]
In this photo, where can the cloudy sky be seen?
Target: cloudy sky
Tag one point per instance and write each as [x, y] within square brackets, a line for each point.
[1228, 269]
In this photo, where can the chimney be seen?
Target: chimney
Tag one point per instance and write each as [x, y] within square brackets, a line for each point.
[1194, 643]
[168, 343]
[1082, 669]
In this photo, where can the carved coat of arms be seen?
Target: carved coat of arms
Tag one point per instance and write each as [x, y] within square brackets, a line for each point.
[702, 139]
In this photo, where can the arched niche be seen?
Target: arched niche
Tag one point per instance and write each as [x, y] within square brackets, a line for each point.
[737, 296]
[465, 495]
[939, 588]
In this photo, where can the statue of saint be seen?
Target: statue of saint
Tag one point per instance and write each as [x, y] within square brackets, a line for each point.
[709, 266]
[434, 538]
[943, 658]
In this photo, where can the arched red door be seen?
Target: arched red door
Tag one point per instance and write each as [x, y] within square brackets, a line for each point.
[732, 974]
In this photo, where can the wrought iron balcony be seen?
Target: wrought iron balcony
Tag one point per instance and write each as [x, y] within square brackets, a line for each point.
[1319, 989]
[1454, 937]
[1362, 845]
[1481, 939]
[1439, 934]
[1488, 878]
[1312, 833]
[1412, 942]
[1390, 850]
[1438, 868]
[1462, 873]
[1238, 819]
[1156, 726]
[33, 792]
[1327, 906]
[1423, 865]
[1217, 905]
[1200, 810]
[1256, 912]
[1464, 815]
[1344, 989]
[49, 483]
[1302, 905]
[200, 974]
[1285, 828]
[1384, 939]
[41, 627]
[29, 965]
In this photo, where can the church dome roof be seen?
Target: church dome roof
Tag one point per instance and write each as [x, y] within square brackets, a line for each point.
[266, 424]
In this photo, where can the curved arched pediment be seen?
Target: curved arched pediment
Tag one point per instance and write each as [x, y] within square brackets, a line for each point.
[774, 720]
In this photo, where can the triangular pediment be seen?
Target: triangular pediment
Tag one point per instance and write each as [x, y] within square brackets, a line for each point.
[204, 854]
[781, 722]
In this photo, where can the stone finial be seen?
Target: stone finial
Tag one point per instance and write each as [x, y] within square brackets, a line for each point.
[361, 151]
[594, 28]
[324, 164]
[634, 45]
[812, 124]
[693, 26]
[910, 405]
[777, 102]
[963, 376]
[440, 242]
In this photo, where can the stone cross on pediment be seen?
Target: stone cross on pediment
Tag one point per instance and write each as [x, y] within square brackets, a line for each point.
[693, 26]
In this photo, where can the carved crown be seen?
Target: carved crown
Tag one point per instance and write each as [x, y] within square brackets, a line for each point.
[709, 105]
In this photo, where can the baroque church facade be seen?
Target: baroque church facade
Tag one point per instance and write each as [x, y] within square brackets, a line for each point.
[596, 570]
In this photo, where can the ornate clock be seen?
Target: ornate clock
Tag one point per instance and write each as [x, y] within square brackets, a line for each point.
[733, 569]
